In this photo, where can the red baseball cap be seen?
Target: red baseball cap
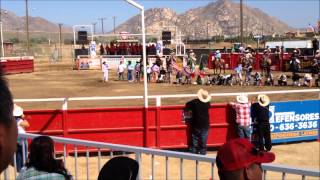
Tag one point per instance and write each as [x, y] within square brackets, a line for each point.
[239, 153]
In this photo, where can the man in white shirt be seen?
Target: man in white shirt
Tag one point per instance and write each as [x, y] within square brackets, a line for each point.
[120, 71]
[105, 70]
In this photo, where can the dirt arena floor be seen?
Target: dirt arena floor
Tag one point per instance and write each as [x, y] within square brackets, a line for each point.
[60, 80]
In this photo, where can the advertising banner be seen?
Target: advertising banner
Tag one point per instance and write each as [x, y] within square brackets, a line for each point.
[294, 121]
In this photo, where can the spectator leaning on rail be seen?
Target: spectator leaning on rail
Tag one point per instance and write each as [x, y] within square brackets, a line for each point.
[242, 108]
[8, 126]
[238, 159]
[261, 126]
[22, 145]
[42, 164]
[199, 125]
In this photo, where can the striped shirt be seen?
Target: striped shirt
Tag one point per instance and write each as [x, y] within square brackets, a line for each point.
[243, 113]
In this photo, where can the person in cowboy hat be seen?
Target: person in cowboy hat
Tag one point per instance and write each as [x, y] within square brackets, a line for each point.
[242, 108]
[238, 159]
[261, 126]
[199, 123]
[22, 124]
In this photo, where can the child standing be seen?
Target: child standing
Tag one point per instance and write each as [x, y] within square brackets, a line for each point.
[238, 71]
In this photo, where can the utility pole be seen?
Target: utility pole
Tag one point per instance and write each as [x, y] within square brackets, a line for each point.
[17, 34]
[241, 22]
[114, 24]
[60, 41]
[27, 27]
[208, 30]
[94, 27]
[102, 19]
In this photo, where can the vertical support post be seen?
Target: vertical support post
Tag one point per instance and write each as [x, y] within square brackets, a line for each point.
[144, 58]
[145, 127]
[27, 27]
[212, 171]
[197, 170]
[114, 24]
[158, 124]
[181, 168]
[138, 159]
[60, 41]
[241, 22]
[2, 49]
[152, 166]
[64, 120]
[6, 174]
[264, 175]
[74, 38]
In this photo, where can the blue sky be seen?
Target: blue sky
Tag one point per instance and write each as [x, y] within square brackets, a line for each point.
[296, 13]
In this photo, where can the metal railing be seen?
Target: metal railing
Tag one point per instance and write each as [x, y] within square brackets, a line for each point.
[158, 98]
[138, 152]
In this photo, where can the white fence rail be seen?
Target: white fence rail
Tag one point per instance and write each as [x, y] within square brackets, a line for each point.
[209, 161]
[159, 97]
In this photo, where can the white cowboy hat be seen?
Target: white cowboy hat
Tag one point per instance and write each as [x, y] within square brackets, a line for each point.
[17, 111]
[203, 96]
[242, 99]
[263, 100]
[217, 51]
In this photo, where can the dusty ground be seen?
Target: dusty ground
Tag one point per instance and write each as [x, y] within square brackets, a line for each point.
[59, 80]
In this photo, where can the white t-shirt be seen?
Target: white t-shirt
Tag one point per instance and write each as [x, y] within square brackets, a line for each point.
[20, 128]
[121, 68]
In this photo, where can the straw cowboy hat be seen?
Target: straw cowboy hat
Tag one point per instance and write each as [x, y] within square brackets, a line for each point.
[17, 111]
[263, 100]
[203, 96]
[242, 99]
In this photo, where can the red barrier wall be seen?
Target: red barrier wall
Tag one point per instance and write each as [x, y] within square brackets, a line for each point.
[160, 127]
[16, 65]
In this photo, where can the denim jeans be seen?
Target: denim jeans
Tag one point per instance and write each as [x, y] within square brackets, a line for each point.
[19, 153]
[244, 132]
[199, 138]
[130, 75]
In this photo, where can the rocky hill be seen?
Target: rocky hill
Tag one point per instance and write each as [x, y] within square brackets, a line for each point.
[12, 22]
[221, 17]
[218, 18]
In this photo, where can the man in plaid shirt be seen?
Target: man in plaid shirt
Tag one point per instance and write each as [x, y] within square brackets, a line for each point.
[243, 120]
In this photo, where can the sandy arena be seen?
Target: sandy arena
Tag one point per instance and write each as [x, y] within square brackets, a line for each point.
[59, 80]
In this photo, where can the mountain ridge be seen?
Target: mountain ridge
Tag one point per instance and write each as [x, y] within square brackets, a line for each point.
[221, 17]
